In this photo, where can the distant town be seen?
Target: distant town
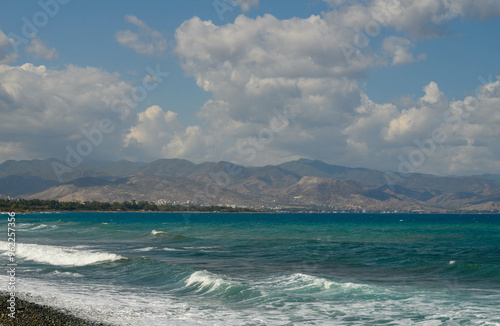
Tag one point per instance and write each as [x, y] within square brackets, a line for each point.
[37, 205]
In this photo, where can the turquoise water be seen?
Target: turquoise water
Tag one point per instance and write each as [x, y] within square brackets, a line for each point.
[262, 269]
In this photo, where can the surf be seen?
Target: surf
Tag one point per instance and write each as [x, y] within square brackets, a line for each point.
[61, 256]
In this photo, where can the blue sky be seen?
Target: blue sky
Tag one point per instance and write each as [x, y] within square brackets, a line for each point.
[229, 75]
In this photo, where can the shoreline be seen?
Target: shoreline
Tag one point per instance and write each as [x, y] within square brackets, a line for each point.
[30, 314]
[258, 212]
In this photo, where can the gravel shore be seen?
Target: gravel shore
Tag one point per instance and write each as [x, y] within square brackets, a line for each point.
[32, 314]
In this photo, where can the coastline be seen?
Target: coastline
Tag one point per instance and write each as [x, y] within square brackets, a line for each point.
[29, 314]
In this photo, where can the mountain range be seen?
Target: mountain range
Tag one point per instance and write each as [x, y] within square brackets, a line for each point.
[302, 183]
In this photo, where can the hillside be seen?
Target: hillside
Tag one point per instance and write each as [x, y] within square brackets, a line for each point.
[301, 183]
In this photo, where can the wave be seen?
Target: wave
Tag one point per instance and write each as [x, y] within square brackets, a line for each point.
[206, 281]
[154, 248]
[170, 249]
[23, 226]
[61, 256]
[155, 233]
[304, 283]
[125, 307]
[66, 274]
[32, 227]
[44, 226]
[300, 281]
[119, 305]
[161, 234]
[145, 249]
[484, 271]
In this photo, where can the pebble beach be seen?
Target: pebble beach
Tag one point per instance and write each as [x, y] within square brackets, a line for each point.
[32, 314]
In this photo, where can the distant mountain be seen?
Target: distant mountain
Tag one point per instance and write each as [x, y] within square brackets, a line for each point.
[314, 168]
[121, 168]
[17, 186]
[374, 178]
[301, 183]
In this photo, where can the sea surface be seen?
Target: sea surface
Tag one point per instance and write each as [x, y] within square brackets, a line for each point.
[260, 269]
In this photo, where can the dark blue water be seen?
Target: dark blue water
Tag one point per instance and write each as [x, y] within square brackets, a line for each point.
[263, 269]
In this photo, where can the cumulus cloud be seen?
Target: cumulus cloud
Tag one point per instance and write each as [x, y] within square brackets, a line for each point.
[258, 70]
[154, 130]
[6, 54]
[487, 9]
[398, 49]
[432, 93]
[469, 128]
[245, 5]
[44, 110]
[255, 65]
[427, 18]
[419, 18]
[147, 41]
[38, 50]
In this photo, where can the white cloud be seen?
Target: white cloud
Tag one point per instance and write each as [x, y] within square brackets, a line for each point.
[432, 93]
[45, 110]
[245, 5]
[486, 9]
[158, 134]
[147, 41]
[381, 133]
[154, 130]
[399, 49]
[6, 54]
[427, 18]
[255, 65]
[333, 120]
[251, 67]
[420, 18]
[37, 50]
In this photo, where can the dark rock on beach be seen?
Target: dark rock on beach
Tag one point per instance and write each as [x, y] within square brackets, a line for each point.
[32, 314]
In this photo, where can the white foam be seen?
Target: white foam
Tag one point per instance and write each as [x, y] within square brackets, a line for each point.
[44, 226]
[205, 280]
[142, 306]
[202, 247]
[23, 226]
[107, 304]
[144, 249]
[154, 233]
[300, 281]
[34, 227]
[171, 249]
[66, 274]
[60, 256]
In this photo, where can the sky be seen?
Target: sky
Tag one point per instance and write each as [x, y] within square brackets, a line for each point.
[408, 86]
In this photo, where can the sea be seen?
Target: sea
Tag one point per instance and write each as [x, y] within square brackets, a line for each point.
[260, 269]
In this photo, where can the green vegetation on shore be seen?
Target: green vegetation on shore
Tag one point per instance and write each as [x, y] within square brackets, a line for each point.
[37, 205]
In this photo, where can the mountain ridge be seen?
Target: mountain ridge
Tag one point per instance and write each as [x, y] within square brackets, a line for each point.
[300, 183]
